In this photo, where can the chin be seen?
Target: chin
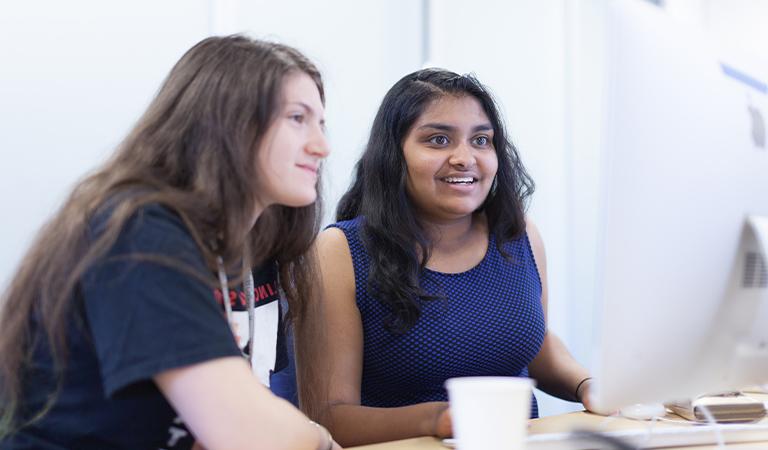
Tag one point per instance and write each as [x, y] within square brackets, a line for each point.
[463, 210]
[299, 200]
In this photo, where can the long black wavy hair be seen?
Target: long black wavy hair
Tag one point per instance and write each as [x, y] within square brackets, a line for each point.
[396, 242]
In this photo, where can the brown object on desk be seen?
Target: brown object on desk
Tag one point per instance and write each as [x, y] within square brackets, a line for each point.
[730, 408]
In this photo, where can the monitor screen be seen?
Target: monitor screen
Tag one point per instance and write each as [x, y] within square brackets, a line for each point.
[680, 280]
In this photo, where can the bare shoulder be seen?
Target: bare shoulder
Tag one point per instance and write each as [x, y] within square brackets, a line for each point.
[336, 266]
[332, 243]
[537, 243]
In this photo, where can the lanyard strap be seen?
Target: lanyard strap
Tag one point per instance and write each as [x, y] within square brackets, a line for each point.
[248, 286]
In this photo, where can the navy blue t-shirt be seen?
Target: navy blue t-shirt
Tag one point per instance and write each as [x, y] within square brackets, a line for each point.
[133, 318]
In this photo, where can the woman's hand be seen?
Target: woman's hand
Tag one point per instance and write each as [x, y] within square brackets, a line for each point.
[587, 398]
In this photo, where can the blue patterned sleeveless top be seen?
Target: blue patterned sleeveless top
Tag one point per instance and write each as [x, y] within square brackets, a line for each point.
[491, 323]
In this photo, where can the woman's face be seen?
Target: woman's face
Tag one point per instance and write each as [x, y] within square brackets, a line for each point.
[450, 158]
[289, 157]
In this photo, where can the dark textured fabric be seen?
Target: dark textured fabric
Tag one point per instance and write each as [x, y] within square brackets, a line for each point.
[133, 319]
[490, 322]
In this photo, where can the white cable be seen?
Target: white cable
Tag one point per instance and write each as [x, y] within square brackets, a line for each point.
[649, 433]
[711, 420]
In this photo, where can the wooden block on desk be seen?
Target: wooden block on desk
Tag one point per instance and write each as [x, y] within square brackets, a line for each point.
[724, 408]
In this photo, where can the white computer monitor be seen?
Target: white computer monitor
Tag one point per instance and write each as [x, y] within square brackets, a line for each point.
[681, 283]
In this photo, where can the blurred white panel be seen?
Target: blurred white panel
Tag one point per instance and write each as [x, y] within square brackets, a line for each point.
[739, 29]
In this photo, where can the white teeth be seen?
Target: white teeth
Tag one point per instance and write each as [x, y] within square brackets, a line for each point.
[464, 180]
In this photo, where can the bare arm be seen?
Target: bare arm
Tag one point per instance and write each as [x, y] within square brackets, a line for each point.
[226, 407]
[351, 423]
[554, 368]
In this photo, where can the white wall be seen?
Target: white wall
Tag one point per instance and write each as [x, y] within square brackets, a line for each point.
[75, 76]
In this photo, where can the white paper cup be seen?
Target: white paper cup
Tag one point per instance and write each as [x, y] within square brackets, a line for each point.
[490, 413]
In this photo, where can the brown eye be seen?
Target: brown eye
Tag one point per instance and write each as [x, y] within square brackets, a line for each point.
[482, 141]
[439, 140]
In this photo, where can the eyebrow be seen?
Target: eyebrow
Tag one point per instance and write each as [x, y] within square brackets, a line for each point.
[302, 104]
[446, 127]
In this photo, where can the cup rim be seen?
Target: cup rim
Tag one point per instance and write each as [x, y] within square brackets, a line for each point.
[490, 382]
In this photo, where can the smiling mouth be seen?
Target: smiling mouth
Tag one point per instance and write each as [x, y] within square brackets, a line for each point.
[459, 180]
[308, 168]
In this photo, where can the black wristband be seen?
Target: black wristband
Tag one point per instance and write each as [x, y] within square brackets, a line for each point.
[578, 386]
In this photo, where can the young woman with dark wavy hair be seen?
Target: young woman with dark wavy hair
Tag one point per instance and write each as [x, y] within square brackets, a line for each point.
[127, 321]
[433, 270]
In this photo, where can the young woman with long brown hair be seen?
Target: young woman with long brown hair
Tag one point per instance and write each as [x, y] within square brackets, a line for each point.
[117, 329]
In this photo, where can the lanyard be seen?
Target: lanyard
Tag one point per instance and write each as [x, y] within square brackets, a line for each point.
[249, 295]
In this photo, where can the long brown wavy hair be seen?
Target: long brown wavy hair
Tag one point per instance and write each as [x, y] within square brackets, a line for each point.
[193, 151]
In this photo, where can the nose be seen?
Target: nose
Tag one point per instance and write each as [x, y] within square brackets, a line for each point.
[463, 157]
[318, 144]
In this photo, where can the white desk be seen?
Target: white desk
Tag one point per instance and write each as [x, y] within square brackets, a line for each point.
[569, 422]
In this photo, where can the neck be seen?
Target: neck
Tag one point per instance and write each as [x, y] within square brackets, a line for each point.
[446, 235]
[257, 210]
